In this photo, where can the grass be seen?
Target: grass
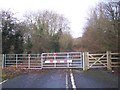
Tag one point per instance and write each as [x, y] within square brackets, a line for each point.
[12, 72]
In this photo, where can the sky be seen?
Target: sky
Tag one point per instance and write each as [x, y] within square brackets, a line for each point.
[76, 11]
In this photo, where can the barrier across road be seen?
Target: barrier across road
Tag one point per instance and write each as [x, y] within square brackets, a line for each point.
[84, 60]
[62, 60]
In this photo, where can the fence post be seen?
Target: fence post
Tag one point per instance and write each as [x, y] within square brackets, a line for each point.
[109, 60]
[37, 58]
[16, 60]
[68, 59]
[41, 61]
[54, 61]
[3, 61]
[85, 61]
[29, 61]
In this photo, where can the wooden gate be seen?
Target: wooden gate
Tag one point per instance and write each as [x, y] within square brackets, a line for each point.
[97, 60]
[102, 60]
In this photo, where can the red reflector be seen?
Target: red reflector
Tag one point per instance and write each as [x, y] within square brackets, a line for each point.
[58, 61]
[54, 54]
[65, 61]
[51, 61]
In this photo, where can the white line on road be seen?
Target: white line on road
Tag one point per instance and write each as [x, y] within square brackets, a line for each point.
[66, 81]
[72, 80]
[3, 81]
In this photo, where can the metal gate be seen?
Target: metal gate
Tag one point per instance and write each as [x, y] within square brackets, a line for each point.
[22, 60]
[44, 60]
[62, 60]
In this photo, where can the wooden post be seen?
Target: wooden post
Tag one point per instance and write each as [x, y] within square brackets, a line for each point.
[109, 60]
[85, 61]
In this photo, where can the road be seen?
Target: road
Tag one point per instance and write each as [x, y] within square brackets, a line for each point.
[65, 78]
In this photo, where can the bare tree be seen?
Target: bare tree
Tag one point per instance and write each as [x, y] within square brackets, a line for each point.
[66, 42]
[101, 32]
[43, 25]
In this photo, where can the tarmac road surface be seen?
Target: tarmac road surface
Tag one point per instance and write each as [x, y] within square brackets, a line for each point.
[65, 78]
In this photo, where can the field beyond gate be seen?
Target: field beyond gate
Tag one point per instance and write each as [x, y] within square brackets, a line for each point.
[84, 60]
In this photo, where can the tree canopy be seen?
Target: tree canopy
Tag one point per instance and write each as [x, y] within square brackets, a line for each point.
[39, 32]
[101, 31]
[47, 31]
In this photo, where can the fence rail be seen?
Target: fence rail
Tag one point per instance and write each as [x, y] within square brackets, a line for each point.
[115, 60]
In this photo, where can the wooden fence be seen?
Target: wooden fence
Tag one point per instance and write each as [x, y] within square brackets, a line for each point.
[107, 60]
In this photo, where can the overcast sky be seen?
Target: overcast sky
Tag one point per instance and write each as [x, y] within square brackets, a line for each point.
[76, 11]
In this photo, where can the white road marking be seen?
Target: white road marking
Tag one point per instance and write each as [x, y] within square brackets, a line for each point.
[72, 80]
[66, 81]
[3, 81]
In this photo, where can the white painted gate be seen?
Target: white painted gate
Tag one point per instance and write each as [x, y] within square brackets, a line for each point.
[62, 60]
[44, 60]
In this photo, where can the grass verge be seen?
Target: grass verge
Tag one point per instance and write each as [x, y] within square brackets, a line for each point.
[12, 72]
